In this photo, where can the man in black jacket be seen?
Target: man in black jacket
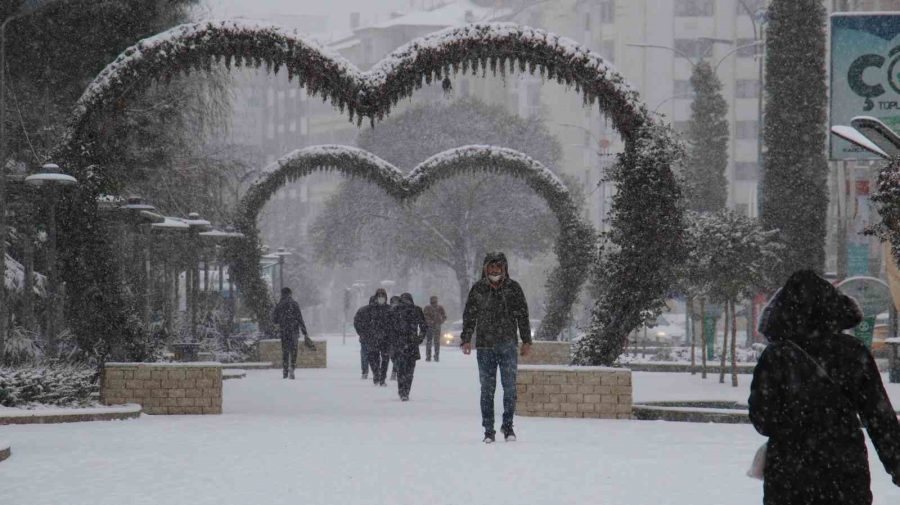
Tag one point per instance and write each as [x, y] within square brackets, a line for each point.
[412, 330]
[497, 313]
[811, 388]
[361, 322]
[289, 320]
[375, 325]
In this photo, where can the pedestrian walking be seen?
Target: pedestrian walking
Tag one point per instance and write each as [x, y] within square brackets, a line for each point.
[382, 327]
[289, 320]
[362, 323]
[395, 302]
[434, 317]
[412, 332]
[496, 313]
[811, 388]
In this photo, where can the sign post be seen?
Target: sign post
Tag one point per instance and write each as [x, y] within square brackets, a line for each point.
[874, 297]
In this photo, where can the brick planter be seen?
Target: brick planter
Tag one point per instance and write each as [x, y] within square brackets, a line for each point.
[73, 415]
[548, 353]
[270, 351]
[568, 391]
[164, 388]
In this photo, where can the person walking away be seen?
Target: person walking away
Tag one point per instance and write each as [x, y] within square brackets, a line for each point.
[362, 325]
[434, 317]
[289, 319]
[394, 302]
[382, 327]
[811, 388]
[412, 332]
[496, 312]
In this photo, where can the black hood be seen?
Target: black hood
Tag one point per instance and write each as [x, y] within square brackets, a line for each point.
[494, 257]
[808, 305]
[406, 299]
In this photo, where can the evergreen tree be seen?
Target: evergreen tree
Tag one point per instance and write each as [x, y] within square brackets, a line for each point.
[794, 194]
[707, 139]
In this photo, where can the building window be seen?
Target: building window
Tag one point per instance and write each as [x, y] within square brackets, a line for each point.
[746, 171]
[681, 126]
[270, 131]
[607, 12]
[695, 8]
[608, 50]
[682, 88]
[693, 48]
[293, 126]
[755, 6]
[746, 88]
[747, 49]
[746, 130]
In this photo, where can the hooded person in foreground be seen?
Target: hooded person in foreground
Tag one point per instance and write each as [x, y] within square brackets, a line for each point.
[497, 314]
[813, 390]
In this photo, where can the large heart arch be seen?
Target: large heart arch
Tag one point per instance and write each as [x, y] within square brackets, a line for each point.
[574, 246]
[644, 244]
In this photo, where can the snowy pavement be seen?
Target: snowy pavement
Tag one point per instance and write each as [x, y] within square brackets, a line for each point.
[330, 438]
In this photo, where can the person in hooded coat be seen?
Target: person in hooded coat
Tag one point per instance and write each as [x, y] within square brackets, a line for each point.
[374, 324]
[497, 314]
[362, 325]
[394, 302]
[811, 388]
[289, 319]
[412, 330]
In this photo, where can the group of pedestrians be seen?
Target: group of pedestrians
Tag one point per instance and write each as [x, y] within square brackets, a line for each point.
[391, 331]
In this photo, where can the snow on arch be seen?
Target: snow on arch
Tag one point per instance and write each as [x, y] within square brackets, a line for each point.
[371, 94]
[575, 236]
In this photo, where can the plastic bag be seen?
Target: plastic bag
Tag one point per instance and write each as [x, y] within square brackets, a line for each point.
[758, 466]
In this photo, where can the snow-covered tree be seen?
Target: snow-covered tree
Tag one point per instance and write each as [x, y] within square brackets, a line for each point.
[455, 222]
[707, 143]
[730, 260]
[794, 195]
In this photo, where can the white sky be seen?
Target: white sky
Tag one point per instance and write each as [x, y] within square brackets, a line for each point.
[280, 11]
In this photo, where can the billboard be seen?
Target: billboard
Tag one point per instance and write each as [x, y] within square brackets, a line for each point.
[865, 74]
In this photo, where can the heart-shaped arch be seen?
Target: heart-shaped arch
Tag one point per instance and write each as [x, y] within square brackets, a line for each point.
[574, 246]
[643, 247]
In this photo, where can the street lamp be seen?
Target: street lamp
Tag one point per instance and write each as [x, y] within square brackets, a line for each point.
[196, 225]
[281, 253]
[169, 226]
[140, 213]
[50, 177]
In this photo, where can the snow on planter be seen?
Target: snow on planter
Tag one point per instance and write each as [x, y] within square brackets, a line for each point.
[270, 351]
[567, 391]
[164, 388]
[68, 415]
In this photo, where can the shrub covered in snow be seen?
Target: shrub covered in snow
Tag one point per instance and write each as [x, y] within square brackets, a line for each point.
[59, 385]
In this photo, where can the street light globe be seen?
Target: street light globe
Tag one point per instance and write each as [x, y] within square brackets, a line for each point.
[50, 175]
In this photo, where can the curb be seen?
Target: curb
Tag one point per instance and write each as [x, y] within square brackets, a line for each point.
[119, 413]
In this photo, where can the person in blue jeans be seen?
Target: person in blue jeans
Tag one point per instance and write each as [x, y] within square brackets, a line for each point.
[496, 314]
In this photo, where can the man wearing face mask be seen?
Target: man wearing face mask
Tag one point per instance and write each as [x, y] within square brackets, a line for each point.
[497, 314]
[435, 317]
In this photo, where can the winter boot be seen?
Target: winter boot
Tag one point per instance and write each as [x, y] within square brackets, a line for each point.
[508, 434]
[291, 375]
[284, 374]
[489, 437]
[364, 376]
[404, 398]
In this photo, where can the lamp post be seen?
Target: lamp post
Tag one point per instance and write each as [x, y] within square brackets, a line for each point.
[196, 225]
[140, 213]
[281, 253]
[170, 226]
[50, 177]
[219, 237]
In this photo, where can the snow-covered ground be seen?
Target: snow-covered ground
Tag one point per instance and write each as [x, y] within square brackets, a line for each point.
[330, 438]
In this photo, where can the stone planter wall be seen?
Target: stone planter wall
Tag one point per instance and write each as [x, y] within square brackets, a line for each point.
[5, 450]
[568, 391]
[164, 388]
[548, 353]
[270, 351]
